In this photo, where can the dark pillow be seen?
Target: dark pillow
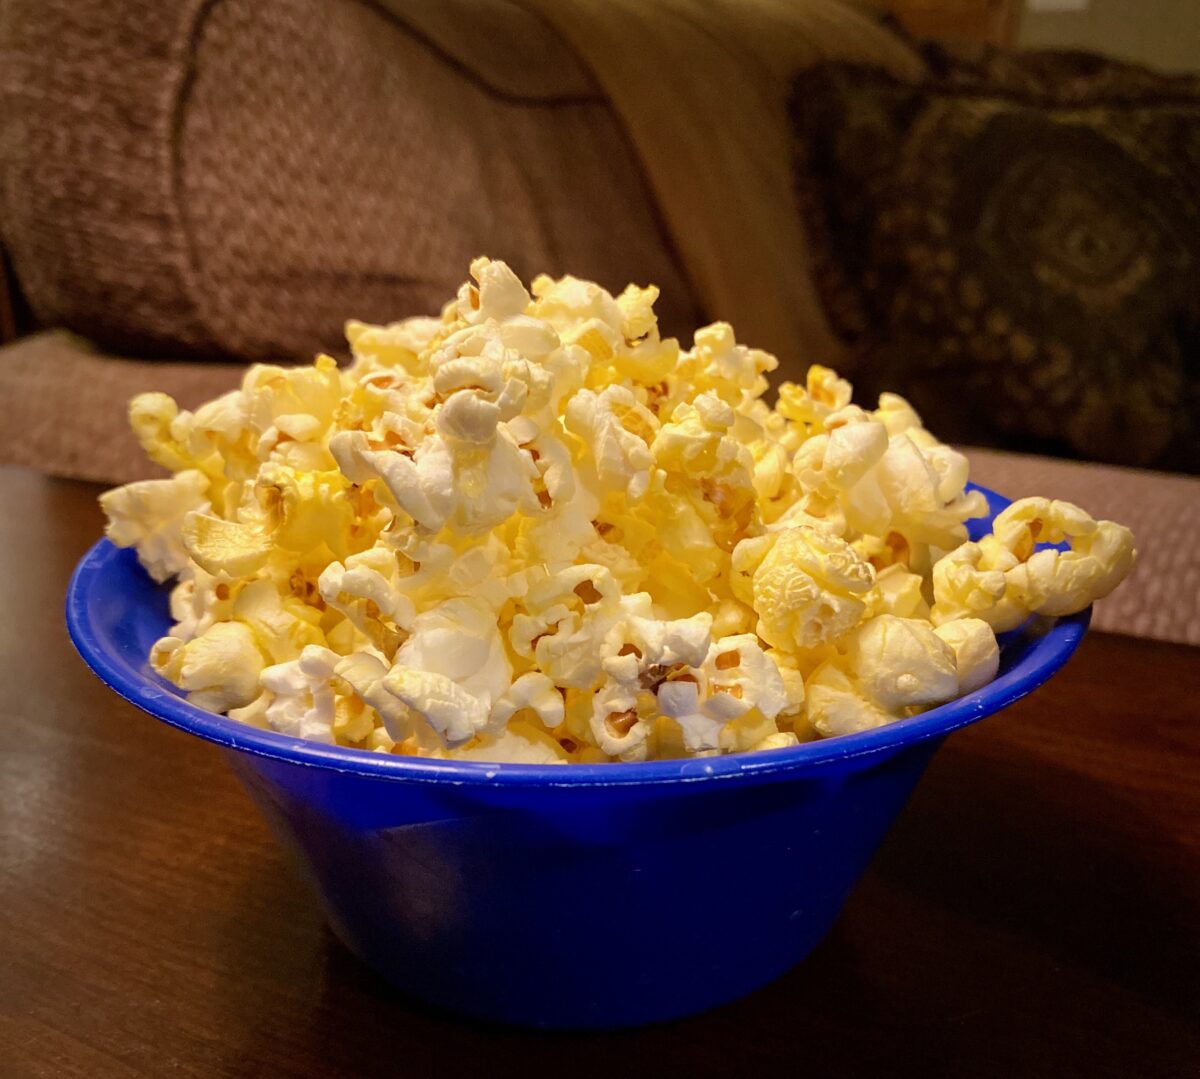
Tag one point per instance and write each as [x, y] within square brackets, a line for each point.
[1014, 244]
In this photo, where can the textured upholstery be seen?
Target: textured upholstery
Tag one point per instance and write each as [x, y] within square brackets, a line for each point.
[63, 405]
[1023, 227]
[233, 179]
[237, 178]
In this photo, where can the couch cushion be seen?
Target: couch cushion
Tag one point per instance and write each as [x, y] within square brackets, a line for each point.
[1015, 244]
[87, 209]
[64, 406]
[239, 177]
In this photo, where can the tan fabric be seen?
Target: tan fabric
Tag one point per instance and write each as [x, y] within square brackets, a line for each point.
[703, 86]
[363, 185]
[239, 177]
[188, 181]
[1162, 598]
[63, 405]
[87, 207]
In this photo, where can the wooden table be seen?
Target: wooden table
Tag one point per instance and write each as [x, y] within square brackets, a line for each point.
[1035, 911]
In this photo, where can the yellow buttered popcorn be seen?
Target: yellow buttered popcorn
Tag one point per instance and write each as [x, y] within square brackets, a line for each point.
[1006, 576]
[533, 530]
[150, 514]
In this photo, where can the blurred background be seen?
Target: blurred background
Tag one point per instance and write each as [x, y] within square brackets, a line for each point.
[1163, 33]
[989, 206]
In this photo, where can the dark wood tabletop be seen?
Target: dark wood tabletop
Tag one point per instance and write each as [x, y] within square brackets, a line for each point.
[1034, 912]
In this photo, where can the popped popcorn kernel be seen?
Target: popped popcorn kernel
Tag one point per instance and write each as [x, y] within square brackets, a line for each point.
[150, 514]
[532, 530]
[1008, 576]
[808, 590]
[218, 669]
[976, 653]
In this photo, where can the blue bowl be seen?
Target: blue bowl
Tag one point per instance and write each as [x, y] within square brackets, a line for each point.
[580, 896]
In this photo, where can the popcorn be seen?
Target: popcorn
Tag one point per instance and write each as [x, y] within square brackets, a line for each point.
[518, 743]
[218, 669]
[532, 691]
[149, 515]
[419, 486]
[779, 740]
[970, 582]
[976, 653]
[1005, 577]
[283, 625]
[834, 461]
[912, 492]
[896, 414]
[822, 394]
[738, 667]
[198, 601]
[162, 431]
[460, 639]
[562, 622]
[898, 592]
[621, 722]
[397, 345]
[534, 531]
[837, 706]
[613, 430]
[732, 701]
[307, 395]
[1063, 582]
[365, 673]
[807, 589]
[367, 590]
[720, 364]
[450, 710]
[303, 698]
[902, 662]
[499, 293]
[225, 547]
[892, 667]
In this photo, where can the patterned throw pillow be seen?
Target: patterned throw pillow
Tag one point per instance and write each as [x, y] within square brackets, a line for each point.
[1014, 244]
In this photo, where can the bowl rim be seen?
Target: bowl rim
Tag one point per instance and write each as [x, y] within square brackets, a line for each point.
[1049, 652]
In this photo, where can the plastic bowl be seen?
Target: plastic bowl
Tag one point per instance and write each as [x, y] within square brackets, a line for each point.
[579, 896]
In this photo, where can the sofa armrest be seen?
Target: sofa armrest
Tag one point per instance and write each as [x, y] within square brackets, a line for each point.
[63, 404]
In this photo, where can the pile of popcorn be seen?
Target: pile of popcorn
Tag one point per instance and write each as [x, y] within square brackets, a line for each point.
[533, 530]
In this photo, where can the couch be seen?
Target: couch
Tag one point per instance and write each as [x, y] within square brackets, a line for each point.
[187, 186]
